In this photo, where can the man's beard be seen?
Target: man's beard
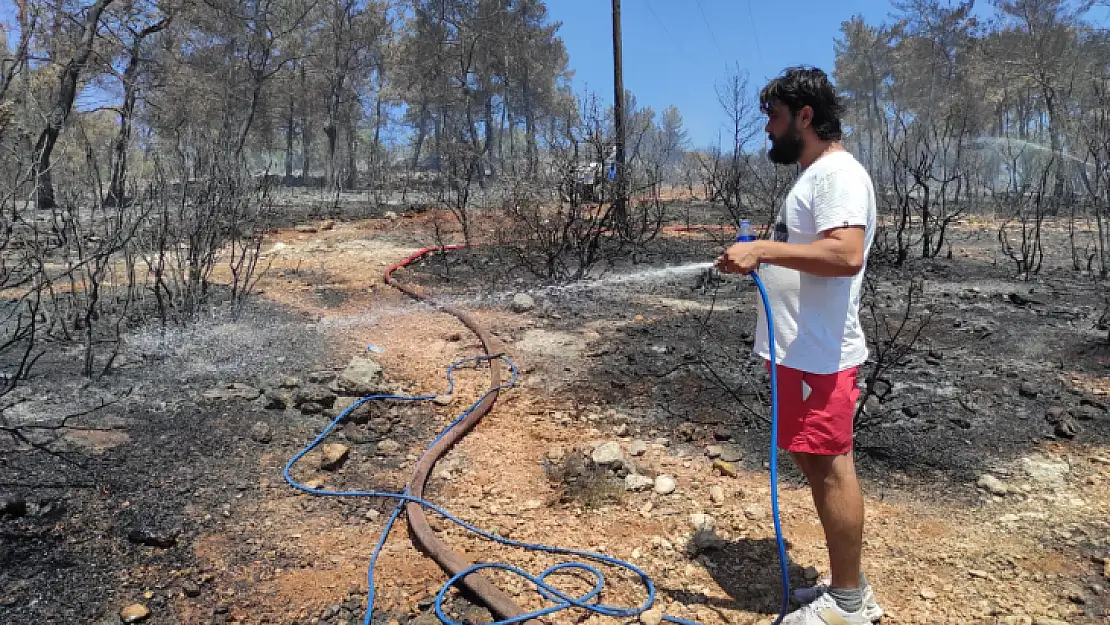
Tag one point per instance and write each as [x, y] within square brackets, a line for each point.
[787, 150]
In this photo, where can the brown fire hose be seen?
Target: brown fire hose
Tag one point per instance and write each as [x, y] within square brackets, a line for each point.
[497, 601]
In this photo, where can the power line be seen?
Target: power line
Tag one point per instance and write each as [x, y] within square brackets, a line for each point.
[710, 29]
[672, 38]
[755, 32]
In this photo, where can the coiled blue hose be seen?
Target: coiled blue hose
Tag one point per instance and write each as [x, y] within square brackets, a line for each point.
[559, 599]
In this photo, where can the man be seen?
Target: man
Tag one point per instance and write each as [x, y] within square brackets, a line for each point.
[813, 274]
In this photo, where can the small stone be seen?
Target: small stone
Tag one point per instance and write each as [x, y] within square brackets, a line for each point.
[717, 494]
[730, 453]
[928, 593]
[702, 522]
[622, 429]
[1028, 389]
[191, 589]
[653, 616]
[636, 483]
[522, 302]
[134, 613]
[362, 377]
[607, 454]
[1055, 414]
[708, 540]
[276, 399]
[811, 573]
[992, 484]
[754, 512]
[313, 394]
[978, 573]
[713, 451]
[261, 432]
[334, 454]
[665, 485]
[873, 405]
[1067, 428]
[637, 448]
[722, 433]
[1044, 620]
[388, 446]
[443, 400]
[725, 468]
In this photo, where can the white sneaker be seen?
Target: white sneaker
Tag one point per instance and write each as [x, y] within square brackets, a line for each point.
[871, 609]
[824, 611]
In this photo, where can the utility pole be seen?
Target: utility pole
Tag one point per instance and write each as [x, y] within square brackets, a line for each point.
[620, 199]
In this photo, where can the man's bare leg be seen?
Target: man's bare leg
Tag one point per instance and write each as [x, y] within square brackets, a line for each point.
[839, 502]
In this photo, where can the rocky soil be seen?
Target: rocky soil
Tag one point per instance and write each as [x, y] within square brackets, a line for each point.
[637, 430]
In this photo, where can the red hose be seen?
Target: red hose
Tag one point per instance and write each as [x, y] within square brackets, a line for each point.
[501, 604]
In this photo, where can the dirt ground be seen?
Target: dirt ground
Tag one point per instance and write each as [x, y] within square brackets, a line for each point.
[986, 467]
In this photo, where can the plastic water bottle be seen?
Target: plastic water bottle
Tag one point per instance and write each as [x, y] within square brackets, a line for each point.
[745, 233]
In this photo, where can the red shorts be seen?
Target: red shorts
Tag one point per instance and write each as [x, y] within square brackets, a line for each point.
[822, 422]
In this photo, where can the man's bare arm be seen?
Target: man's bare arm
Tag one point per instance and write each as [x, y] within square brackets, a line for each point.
[838, 253]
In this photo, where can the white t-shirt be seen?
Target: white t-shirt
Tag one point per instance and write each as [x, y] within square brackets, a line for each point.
[817, 327]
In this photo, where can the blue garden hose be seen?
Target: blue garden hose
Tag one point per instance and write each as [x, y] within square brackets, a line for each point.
[775, 450]
[559, 599]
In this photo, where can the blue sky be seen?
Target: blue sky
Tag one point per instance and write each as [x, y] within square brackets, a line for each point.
[675, 51]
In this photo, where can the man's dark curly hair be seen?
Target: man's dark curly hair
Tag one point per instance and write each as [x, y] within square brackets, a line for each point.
[803, 86]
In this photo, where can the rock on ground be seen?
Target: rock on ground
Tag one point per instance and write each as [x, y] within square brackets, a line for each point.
[665, 485]
[607, 454]
[334, 454]
[134, 613]
[522, 302]
[362, 376]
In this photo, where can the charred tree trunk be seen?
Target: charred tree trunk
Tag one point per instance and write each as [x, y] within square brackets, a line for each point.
[421, 133]
[351, 178]
[117, 183]
[306, 133]
[289, 128]
[63, 104]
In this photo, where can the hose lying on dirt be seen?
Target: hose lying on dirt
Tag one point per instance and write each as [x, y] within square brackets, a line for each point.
[497, 601]
[463, 572]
